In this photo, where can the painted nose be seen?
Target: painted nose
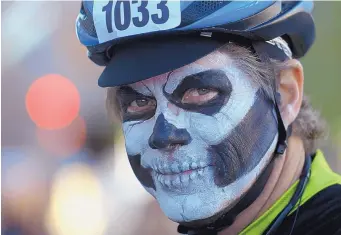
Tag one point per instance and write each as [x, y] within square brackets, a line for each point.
[166, 135]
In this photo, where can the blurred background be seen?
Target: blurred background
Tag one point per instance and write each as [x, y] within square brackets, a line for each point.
[64, 168]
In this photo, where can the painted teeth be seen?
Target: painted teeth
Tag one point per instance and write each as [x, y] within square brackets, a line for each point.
[194, 166]
[193, 175]
[166, 171]
[163, 181]
[167, 182]
[159, 168]
[185, 179]
[175, 168]
[176, 182]
[185, 166]
[182, 180]
[164, 168]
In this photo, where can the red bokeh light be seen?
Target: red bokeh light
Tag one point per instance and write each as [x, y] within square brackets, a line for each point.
[63, 142]
[52, 102]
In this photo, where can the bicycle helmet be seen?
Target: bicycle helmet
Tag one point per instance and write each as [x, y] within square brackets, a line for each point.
[131, 35]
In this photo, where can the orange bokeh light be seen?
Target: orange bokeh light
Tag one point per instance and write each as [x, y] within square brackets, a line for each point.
[52, 101]
[63, 142]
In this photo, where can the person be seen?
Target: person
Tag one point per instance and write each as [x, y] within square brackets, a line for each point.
[216, 124]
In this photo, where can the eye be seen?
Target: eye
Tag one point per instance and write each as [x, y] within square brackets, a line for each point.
[199, 95]
[141, 105]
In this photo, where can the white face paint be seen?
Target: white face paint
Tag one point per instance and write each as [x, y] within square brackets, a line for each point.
[218, 155]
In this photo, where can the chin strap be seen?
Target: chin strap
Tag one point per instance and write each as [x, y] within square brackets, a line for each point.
[279, 50]
[283, 134]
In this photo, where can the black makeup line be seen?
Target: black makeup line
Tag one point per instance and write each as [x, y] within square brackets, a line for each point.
[209, 79]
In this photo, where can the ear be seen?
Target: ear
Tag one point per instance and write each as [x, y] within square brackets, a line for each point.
[291, 81]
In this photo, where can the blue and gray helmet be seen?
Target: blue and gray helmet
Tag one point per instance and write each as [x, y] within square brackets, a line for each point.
[102, 24]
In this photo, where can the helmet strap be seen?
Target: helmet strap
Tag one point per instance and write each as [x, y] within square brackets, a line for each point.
[276, 49]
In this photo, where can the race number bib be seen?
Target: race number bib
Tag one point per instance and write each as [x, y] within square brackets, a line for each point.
[115, 18]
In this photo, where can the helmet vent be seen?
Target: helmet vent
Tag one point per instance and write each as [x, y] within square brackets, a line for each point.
[199, 10]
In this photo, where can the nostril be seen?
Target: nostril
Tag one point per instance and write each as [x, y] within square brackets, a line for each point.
[183, 140]
[173, 147]
[166, 135]
[169, 141]
[157, 142]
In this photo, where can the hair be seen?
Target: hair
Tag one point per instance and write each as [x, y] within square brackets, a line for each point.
[308, 125]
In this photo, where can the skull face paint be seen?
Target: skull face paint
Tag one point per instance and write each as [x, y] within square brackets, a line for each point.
[198, 137]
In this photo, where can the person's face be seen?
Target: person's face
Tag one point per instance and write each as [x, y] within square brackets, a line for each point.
[198, 137]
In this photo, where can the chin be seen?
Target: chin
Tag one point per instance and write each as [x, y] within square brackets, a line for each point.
[196, 199]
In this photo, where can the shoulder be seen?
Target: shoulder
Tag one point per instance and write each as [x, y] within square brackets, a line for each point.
[321, 214]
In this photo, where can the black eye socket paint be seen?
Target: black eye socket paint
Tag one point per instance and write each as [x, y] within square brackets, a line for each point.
[210, 79]
[125, 96]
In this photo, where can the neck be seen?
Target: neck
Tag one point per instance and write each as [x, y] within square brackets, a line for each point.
[286, 171]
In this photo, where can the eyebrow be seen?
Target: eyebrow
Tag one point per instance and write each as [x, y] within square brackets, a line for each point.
[213, 78]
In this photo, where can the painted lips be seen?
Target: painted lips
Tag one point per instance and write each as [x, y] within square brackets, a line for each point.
[179, 175]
